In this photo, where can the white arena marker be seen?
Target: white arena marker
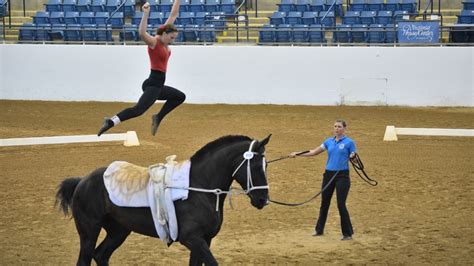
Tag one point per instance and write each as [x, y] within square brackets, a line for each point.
[391, 132]
[129, 139]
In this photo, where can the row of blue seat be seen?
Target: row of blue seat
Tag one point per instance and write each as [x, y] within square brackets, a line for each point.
[356, 5]
[92, 32]
[128, 7]
[117, 19]
[351, 17]
[374, 33]
[468, 4]
[466, 16]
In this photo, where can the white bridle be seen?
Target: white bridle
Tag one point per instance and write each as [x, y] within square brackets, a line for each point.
[248, 156]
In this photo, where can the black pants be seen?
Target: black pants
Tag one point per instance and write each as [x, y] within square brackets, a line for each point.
[341, 184]
[154, 89]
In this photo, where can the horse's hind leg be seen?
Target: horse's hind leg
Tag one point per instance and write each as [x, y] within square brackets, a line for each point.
[116, 235]
[88, 234]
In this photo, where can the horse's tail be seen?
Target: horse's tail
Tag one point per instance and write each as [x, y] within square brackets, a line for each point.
[65, 193]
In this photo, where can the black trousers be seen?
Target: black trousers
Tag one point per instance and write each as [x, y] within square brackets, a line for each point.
[154, 89]
[341, 184]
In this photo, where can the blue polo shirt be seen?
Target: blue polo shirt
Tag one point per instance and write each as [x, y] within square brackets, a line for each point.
[338, 153]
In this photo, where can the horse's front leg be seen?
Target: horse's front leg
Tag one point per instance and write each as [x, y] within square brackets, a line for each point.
[200, 251]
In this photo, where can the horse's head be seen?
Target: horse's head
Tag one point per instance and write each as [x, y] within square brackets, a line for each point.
[251, 173]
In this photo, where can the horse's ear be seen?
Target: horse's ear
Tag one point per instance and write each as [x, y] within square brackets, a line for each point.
[265, 141]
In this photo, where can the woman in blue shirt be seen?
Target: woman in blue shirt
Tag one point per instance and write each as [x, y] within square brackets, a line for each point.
[340, 149]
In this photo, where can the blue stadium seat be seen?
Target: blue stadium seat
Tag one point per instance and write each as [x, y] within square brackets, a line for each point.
[376, 33]
[228, 6]
[327, 19]
[83, 5]
[316, 34]
[97, 6]
[117, 20]
[165, 5]
[71, 17]
[112, 5]
[200, 18]
[138, 17]
[358, 5]
[184, 5]
[278, 18]
[68, 5]
[100, 18]
[283, 33]
[196, 6]
[368, 17]
[41, 17]
[86, 18]
[375, 5]
[384, 17]
[392, 5]
[351, 17]
[301, 5]
[57, 32]
[155, 18]
[180, 29]
[293, 18]
[186, 18]
[129, 8]
[190, 33]
[408, 5]
[213, 5]
[27, 32]
[218, 20]
[391, 33]
[73, 33]
[53, 5]
[267, 33]
[56, 17]
[104, 33]
[89, 32]
[309, 18]
[316, 5]
[359, 33]
[466, 17]
[3, 8]
[42, 32]
[342, 33]
[129, 33]
[285, 6]
[154, 6]
[300, 33]
[468, 4]
[151, 29]
[401, 15]
[207, 33]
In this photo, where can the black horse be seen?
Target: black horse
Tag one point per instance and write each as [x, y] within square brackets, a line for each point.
[214, 166]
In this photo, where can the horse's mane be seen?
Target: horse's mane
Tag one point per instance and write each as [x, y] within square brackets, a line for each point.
[226, 140]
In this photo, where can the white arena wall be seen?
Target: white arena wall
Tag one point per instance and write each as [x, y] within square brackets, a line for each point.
[408, 76]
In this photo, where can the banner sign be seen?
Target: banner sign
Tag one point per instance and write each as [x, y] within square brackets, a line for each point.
[418, 32]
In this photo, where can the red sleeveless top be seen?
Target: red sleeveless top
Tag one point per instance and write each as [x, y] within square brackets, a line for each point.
[159, 57]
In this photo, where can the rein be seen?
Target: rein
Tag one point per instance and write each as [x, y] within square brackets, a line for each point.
[306, 201]
[358, 165]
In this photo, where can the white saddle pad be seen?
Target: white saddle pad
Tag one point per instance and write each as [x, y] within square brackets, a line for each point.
[130, 185]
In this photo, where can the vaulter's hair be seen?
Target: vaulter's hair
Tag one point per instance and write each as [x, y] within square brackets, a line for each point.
[166, 28]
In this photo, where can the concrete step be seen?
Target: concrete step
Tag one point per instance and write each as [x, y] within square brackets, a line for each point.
[20, 20]
[19, 13]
